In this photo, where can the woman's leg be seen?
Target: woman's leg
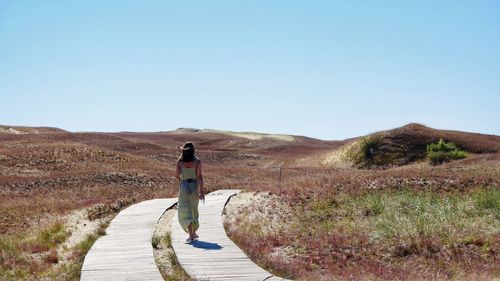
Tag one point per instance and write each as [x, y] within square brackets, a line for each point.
[190, 228]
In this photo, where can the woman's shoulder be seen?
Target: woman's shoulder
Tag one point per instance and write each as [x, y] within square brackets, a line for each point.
[197, 160]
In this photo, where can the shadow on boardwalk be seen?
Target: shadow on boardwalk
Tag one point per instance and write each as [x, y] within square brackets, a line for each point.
[206, 245]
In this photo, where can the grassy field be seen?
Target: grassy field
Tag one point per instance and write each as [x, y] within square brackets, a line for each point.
[389, 222]
[419, 222]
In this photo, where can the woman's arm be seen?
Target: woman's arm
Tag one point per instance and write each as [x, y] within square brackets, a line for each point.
[199, 177]
[178, 170]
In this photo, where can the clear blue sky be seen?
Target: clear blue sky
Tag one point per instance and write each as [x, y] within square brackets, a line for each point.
[325, 69]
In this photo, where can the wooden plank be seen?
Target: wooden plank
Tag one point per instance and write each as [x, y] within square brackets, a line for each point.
[125, 252]
[214, 256]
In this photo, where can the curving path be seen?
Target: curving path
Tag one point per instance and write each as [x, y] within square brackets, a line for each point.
[214, 256]
[125, 252]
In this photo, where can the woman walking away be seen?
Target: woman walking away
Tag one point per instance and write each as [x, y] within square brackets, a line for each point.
[191, 190]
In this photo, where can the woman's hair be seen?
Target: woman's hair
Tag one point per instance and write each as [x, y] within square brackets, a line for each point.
[187, 154]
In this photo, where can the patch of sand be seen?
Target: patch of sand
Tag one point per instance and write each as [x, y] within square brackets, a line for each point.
[80, 227]
[257, 136]
[340, 158]
[163, 251]
[264, 209]
[260, 214]
[14, 131]
[253, 136]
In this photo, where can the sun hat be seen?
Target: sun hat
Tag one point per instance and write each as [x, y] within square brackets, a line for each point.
[188, 146]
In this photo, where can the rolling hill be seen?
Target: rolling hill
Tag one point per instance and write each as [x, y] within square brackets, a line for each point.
[404, 145]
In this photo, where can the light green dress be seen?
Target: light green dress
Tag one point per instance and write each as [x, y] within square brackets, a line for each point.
[187, 206]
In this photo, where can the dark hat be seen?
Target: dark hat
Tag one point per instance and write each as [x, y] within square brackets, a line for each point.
[188, 146]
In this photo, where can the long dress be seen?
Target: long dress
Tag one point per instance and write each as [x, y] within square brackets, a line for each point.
[187, 206]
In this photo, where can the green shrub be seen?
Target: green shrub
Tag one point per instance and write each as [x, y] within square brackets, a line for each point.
[372, 204]
[443, 151]
[84, 246]
[54, 235]
[363, 153]
[46, 239]
[369, 145]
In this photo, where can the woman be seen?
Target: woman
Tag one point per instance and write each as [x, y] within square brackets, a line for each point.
[191, 189]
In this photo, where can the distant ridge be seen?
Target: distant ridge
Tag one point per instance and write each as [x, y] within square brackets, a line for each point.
[20, 130]
[395, 147]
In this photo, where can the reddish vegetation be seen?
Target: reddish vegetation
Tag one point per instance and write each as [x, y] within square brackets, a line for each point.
[419, 136]
[46, 174]
[51, 173]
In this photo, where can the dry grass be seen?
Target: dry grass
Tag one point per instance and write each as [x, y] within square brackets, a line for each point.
[45, 176]
[417, 222]
[389, 235]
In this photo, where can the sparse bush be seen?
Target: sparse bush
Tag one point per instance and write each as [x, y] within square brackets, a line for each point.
[368, 146]
[10, 254]
[101, 230]
[83, 247]
[47, 239]
[443, 151]
[66, 272]
[122, 203]
[103, 210]
[56, 234]
[372, 204]
[99, 211]
[362, 152]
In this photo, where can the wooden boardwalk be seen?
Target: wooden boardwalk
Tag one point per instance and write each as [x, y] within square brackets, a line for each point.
[125, 252]
[214, 256]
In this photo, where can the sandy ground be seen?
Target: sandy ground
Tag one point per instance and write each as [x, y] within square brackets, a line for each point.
[163, 251]
[252, 136]
[80, 227]
[261, 208]
[12, 131]
[260, 212]
[256, 136]
[339, 158]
